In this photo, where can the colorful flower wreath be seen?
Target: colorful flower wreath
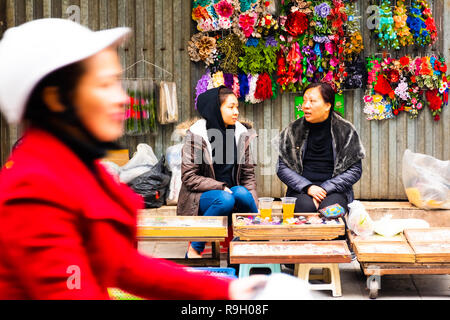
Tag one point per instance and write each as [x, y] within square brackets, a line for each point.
[407, 85]
[212, 15]
[202, 48]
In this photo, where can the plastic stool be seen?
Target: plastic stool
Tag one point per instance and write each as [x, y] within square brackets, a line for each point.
[244, 269]
[330, 273]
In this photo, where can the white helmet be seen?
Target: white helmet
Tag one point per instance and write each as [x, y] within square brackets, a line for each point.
[31, 51]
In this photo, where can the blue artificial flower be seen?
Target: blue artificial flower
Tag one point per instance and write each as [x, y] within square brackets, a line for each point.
[416, 12]
[252, 42]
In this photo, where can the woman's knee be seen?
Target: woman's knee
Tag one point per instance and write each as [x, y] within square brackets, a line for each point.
[226, 201]
[240, 192]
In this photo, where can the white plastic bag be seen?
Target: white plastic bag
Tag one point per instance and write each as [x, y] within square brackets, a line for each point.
[143, 160]
[359, 220]
[173, 158]
[168, 103]
[426, 181]
[389, 227]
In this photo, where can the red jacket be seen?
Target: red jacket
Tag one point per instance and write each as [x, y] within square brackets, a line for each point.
[58, 218]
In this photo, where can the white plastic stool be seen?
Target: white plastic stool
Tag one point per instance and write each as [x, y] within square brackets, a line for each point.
[330, 273]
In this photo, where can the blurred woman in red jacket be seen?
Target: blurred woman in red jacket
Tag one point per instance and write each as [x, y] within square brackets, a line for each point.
[68, 228]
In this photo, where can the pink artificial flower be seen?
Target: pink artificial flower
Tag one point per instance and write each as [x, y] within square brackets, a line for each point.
[419, 106]
[334, 61]
[329, 47]
[414, 101]
[368, 99]
[224, 9]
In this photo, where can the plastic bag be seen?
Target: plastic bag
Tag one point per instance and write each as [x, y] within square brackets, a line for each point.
[426, 181]
[168, 103]
[388, 227]
[153, 185]
[142, 161]
[173, 156]
[359, 220]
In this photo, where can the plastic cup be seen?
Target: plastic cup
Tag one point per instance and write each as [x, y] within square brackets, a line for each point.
[265, 208]
[288, 204]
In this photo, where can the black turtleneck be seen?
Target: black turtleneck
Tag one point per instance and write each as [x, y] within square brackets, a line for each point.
[318, 162]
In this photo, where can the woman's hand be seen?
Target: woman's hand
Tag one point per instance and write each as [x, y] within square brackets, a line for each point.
[226, 189]
[317, 193]
[246, 288]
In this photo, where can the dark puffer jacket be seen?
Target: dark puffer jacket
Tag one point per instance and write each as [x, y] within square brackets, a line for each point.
[348, 152]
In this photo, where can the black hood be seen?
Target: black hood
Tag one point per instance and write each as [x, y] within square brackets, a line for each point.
[208, 105]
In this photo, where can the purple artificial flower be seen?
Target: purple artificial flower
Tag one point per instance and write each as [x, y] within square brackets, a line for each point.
[321, 39]
[228, 80]
[271, 42]
[322, 10]
[202, 86]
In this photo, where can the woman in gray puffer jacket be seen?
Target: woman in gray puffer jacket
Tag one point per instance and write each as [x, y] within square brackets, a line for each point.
[320, 154]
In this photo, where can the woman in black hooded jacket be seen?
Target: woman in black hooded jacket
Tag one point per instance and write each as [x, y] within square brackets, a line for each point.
[217, 172]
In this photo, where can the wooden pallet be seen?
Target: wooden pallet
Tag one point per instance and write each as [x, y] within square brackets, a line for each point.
[296, 252]
[384, 251]
[287, 232]
[430, 245]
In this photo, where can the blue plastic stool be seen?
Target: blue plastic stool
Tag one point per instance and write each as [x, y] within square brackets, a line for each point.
[222, 272]
[244, 269]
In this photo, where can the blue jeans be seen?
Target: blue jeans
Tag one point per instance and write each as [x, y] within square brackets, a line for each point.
[221, 203]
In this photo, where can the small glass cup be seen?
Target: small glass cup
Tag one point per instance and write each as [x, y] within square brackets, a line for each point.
[265, 208]
[288, 204]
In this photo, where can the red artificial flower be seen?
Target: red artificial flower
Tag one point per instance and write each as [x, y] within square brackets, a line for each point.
[433, 99]
[413, 79]
[382, 87]
[437, 118]
[263, 87]
[296, 23]
[394, 76]
[396, 112]
[443, 68]
[404, 61]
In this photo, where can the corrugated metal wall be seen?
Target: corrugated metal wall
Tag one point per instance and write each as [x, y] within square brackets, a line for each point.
[162, 29]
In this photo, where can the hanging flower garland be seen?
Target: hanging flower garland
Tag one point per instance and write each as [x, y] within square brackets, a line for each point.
[421, 23]
[259, 56]
[404, 36]
[231, 49]
[386, 34]
[354, 44]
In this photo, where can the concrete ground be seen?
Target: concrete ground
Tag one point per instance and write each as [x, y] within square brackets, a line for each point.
[393, 287]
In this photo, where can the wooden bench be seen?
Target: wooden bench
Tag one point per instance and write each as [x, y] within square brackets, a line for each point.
[192, 228]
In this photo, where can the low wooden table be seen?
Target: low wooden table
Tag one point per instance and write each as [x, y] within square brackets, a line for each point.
[427, 254]
[286, 231]
[182, 228]
[306, 255]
